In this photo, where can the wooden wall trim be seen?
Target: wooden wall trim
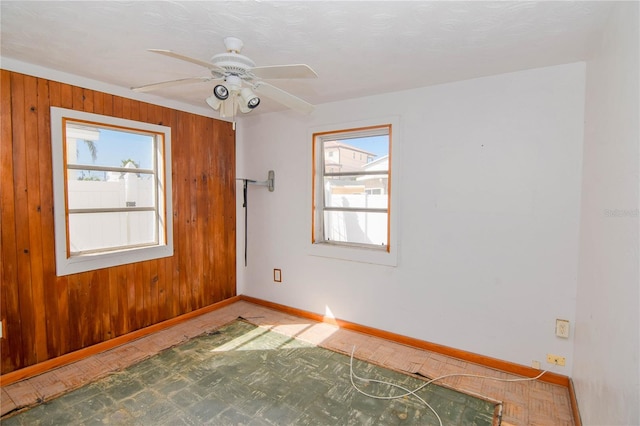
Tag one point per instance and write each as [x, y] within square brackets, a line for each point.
[506, 366]
[36, 369]
[573, 400]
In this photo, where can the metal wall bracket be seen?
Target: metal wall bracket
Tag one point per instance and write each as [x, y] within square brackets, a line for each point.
[270, 183]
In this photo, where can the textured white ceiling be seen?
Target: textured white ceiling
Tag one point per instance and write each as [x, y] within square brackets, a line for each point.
[357, 48]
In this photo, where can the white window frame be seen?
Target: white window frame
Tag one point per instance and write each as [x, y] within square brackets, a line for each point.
[348, 251]
[69, 264]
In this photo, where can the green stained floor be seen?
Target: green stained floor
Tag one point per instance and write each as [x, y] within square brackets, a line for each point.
[245, 375]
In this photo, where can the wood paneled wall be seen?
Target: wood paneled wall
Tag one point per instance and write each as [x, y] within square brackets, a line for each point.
[45, 316]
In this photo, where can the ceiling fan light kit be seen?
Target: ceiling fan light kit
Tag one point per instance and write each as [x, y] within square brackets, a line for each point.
[249, 100]
[214, 102]
[239, 80]
[221, 92]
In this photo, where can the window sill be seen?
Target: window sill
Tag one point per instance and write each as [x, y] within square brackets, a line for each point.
[373, 255]
[92, 262]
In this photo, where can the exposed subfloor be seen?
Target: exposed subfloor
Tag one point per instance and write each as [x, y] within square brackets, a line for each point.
[524, 403]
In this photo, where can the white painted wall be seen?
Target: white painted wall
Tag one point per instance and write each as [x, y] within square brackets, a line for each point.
[489, 198]
[606, 372]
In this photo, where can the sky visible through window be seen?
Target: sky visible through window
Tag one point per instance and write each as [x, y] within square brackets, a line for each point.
[378, 145]
[115, 146]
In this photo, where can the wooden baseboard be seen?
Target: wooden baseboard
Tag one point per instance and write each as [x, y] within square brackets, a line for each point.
[34, 370]
[486, 361]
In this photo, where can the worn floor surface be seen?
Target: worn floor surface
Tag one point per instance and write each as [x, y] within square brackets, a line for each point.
[524, 403]
[241, 374]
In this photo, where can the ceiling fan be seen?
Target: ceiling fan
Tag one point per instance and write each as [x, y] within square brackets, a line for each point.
[239, 80]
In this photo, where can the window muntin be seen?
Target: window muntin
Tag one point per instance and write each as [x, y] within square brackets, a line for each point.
[112, 191]
[351, 195]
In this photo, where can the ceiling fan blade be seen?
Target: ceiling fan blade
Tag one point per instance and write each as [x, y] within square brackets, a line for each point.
[285, 98]
[205, 64]
[284, 71]
[154, 86]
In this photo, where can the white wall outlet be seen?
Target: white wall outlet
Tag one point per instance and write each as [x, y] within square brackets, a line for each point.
[277, 275]
[535, 364]
[562, 328]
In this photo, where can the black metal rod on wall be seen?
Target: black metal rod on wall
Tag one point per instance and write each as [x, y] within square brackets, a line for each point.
[270, 184]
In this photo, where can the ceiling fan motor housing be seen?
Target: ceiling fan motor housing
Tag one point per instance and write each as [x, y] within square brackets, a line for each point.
[234, 64]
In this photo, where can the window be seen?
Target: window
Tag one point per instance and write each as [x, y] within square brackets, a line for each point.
[112, 191]
[352, 199]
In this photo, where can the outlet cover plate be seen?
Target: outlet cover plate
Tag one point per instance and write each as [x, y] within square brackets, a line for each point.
[556, 360]
[562, 328]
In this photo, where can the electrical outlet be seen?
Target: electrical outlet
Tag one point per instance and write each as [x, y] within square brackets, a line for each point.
[556, 360]
[535, 364]
[277, 275]
[562, 328]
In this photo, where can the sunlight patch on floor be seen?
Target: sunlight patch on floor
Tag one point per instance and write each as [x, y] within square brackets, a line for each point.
[309, 333]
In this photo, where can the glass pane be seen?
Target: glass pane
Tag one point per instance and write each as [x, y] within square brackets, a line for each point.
[89, 189]
[356, 227]
[357, 192]
[356, 154]
[97, 231]
[100, 146]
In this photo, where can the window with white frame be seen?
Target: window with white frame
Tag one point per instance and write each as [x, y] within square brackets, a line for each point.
[112, 191]
[352, 197]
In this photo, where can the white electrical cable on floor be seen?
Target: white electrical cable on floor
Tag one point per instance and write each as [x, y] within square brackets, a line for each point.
[413, 392]
[408, 392]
